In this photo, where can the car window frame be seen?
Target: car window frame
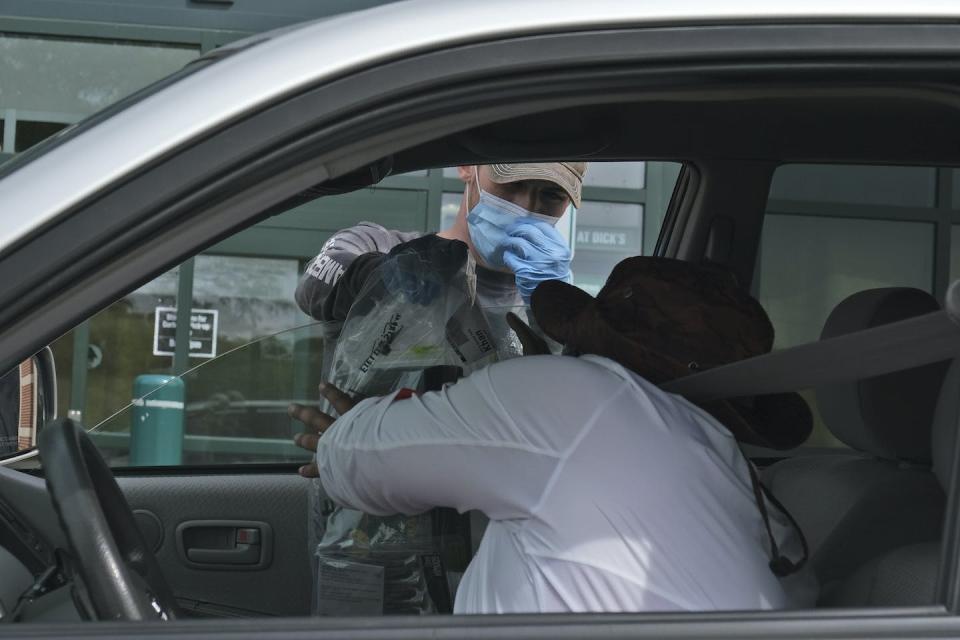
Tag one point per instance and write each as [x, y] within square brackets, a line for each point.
[222, 215]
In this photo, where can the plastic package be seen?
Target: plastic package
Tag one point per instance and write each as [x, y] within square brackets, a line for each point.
[390, 565]
[414, 324]
[411, 315]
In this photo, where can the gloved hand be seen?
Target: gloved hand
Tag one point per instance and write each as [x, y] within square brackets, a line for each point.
[535, 252]
[421, 268]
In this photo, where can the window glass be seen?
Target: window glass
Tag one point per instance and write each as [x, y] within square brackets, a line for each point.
[251, 349]
[606, 233]
[79, 77]
[624, 175]
[113, 348]
[895, 186]
[807, 264]
[243, 311]
[229, 410]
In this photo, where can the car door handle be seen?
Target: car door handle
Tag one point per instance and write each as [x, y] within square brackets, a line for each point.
[225, 544]
[241, 554]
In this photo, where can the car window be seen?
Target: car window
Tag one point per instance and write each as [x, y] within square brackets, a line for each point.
[833, 230]
[252, 350]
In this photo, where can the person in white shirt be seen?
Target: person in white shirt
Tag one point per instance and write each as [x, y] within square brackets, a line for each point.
[604, 492]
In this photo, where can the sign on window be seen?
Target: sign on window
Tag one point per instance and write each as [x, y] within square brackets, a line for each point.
[203, 332]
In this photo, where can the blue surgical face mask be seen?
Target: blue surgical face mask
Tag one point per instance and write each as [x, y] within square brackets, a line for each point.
[488, 222]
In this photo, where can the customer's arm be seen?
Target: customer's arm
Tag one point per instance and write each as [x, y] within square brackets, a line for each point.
[490, 442]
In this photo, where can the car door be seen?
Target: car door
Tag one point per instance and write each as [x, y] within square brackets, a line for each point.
[121, 234]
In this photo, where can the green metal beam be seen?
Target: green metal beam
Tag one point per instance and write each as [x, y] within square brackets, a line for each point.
[181, 353]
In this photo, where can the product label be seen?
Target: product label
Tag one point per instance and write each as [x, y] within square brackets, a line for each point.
[349, 588]
[469, 335]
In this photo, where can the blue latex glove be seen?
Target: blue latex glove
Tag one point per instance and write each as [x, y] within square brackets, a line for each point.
[535, 251]
[421, 269]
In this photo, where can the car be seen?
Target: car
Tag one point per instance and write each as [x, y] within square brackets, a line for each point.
[769, 116]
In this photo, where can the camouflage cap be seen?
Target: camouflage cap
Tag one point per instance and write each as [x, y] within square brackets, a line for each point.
[665, 319]
[567, 175]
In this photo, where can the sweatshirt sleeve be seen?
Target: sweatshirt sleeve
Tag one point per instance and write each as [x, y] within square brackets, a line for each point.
[490, 442]
[322, 274]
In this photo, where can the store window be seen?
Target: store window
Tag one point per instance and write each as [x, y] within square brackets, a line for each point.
[605, 234]
[48, 82]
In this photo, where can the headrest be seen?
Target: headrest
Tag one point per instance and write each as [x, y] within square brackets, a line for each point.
[889, 416]
[946, 419]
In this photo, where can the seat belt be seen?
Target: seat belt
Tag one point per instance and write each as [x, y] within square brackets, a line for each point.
[905, 344]
[909, 343]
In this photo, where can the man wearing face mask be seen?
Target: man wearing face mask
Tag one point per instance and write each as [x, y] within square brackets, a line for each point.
[507, 219]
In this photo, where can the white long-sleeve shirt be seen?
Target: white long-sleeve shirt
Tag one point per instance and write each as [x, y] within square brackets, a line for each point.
[604, 493]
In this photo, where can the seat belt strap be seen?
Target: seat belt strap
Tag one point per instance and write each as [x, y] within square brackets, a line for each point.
[905, 344]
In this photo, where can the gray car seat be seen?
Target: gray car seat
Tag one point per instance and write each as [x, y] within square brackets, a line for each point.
[907, 576]
[854, 505]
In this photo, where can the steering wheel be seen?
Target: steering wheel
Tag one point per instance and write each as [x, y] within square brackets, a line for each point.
[118, 568]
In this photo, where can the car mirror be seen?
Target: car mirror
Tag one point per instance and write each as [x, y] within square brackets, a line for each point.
[28, 400]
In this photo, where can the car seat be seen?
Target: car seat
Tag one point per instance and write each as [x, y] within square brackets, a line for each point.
[907, 576]
[856, 504]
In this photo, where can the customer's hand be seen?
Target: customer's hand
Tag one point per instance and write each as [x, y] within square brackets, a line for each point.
[317, 422]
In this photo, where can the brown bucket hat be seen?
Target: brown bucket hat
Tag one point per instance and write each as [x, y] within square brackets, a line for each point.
[665, 319]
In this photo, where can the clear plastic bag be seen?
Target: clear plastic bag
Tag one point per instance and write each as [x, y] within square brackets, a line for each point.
[410, 317]
[400, 325]
[389, 565]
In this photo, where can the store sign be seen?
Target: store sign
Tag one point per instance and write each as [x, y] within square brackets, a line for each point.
[608, 238]
[203, 332]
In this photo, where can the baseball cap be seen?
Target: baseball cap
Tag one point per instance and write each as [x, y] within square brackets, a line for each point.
[566, 175]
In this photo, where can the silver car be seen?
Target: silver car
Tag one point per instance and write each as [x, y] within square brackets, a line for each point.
[735, 96]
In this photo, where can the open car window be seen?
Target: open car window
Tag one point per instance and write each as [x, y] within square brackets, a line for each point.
[252, 350]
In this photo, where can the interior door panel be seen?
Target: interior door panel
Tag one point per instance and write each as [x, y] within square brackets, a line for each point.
[223, 512]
